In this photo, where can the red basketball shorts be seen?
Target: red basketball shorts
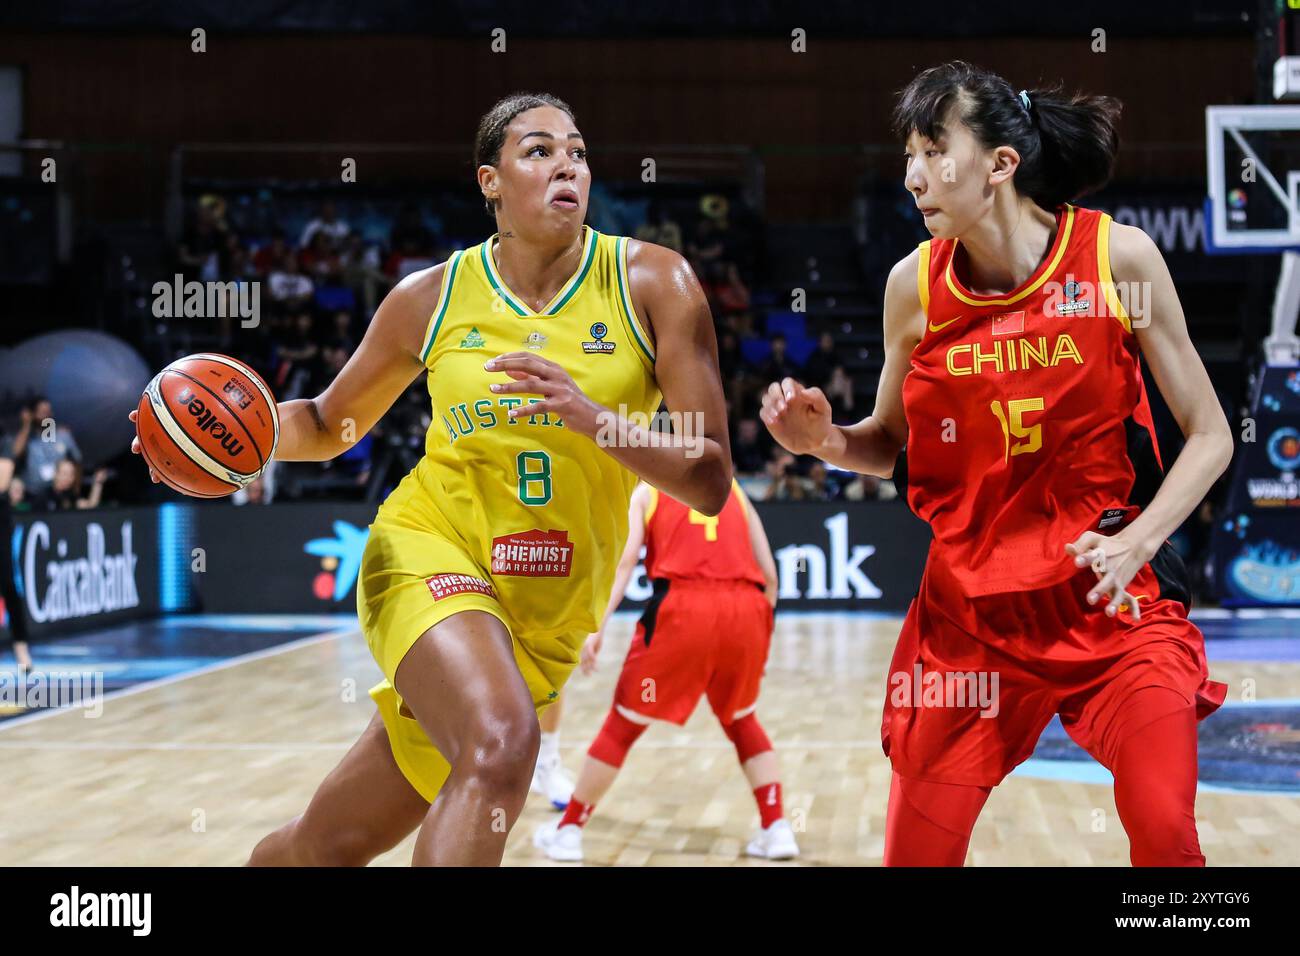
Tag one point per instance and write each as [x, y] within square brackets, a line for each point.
[697, 638]
[974, 681]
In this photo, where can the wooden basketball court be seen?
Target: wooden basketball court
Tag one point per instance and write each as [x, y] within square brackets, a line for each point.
[193, 771]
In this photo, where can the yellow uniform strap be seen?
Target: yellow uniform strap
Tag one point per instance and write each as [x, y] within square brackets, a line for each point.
[923, 278]
[1103, 273]
[440, 310]
[654, 503]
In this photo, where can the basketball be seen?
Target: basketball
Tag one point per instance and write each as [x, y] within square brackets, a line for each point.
[208, 425]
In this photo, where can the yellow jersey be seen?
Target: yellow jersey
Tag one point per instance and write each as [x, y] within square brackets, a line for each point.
[539, 510]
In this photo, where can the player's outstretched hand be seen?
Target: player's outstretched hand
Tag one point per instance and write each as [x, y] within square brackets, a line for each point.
[1115, 561]
[799, 418]
[590, 651]
[135, 446]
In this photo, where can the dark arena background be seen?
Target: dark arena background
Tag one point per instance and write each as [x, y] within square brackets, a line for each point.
[252, 179]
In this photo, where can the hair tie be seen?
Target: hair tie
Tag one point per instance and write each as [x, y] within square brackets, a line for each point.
[1024, 100]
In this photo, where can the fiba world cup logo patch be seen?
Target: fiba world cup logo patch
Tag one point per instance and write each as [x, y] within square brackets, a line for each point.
[598, 346]
[1284, 449]
[1073, 305]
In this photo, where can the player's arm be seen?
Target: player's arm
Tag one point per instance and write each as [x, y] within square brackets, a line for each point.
[1183, 382]
[381, 369]
[626, 566]
[800, 418]
[693, 466]
[24, 432]
[6, 474]
[762, 547]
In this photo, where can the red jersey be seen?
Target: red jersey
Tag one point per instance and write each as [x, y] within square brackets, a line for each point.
[684, 544]
[1027, 417]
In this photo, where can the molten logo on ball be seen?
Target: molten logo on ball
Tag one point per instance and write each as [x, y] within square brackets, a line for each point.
[208, 422]
[208, 425]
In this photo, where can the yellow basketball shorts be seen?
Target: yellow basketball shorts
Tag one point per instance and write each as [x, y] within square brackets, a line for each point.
[410, 580]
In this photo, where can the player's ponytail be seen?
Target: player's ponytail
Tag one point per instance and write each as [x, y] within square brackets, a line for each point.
[1067, 142]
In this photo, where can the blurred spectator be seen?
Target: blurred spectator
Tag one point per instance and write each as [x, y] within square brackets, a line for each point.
[742, 323]
[271, 256]
[17, 494]
[355, 462]
[362, 271]
[262, 490]
[253, 494]
[204, 240]
[785, 483]
[327, 223]
[341, 335]
[706, 247]
[41, 443]
[9, 598]
[300, 357]
[735, 372]
[779, 365]
[749, 451]
[862, 488]
[333, 358]
[319, 260]
[820, 486]
[234, 260]
[289, 288]
[728, 291]
[658, 228]
[411, 242]
[819, 366]
[63, 493]
[839, 392]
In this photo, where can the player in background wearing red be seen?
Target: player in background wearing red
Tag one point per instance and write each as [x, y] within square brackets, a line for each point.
[705, 631]
[1013, 376]
[550, 779]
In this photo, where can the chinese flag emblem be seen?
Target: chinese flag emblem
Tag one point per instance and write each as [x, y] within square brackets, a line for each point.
[1009, 323]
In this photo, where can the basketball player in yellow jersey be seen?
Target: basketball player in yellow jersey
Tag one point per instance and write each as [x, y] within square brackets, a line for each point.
[492, 560]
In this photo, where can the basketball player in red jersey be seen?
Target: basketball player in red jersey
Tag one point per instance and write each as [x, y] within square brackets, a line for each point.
[1012, 375]
[705, 631]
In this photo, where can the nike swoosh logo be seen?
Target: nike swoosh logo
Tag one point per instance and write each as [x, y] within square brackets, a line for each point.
[936, 328]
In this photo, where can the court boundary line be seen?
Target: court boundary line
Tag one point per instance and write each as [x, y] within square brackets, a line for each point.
[140, 688]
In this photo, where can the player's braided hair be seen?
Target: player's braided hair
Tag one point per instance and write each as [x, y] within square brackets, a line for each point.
[1067, 142]
[491, 134]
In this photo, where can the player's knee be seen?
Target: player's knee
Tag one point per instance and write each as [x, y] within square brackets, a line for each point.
[1161, 832]
[500, 757]
[615, 739]
[351, 843]
[748, 736]
[1165, 842]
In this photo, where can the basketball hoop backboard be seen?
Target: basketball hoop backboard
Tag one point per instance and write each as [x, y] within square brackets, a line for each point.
[1253, 173]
